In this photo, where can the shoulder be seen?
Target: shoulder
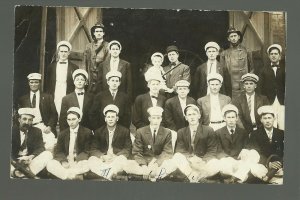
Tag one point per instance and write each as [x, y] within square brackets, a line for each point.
[200, 100]
[142, 129]
[207, 129]
[73, 65]
[241, 131]
[227, 98]
[124, 62]
[122, 128]
[84, 130]
[171, 100]
[34, 130]
[182, 130]
[184, 66]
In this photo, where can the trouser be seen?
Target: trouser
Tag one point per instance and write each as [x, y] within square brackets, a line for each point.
[48, 138]
[76, 168]
[279, 114]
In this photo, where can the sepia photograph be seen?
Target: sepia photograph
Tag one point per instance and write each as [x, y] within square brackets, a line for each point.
[153, 95]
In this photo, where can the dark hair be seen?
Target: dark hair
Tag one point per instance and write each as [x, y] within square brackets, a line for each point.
[63, 45]
[93, 31]
[274, 48]
[81, 75]
[114, 76]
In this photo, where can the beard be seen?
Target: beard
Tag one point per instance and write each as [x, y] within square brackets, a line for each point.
[24, 127]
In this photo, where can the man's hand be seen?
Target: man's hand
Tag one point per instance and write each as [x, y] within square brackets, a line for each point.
[26, 159]
[47, 130]
[65, 164]
[275, 165]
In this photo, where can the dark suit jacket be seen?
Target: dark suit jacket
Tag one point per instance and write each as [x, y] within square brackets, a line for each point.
[272, 86]
[144, 150]
[101, 100]
[82, 144]
[121, 142]
[205, 142]
[71, 101]
[51, 78]
[231, 145]
[200, 80]
[205, 106]
[126, 79]
[182, 72]
[47, 109]
[244, 113]
[174, 118]
[260, 142]
[35, 144]
[141, 104]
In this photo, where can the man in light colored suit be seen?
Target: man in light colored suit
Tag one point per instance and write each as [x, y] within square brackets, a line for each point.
[212, 104]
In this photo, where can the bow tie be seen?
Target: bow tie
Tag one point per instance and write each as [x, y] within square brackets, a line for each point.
[155, 97]
[277, 66]
[173, 63]
[80, 93]
[62, 62]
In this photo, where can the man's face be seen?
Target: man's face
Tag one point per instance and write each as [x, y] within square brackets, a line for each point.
[212, 53]
[192, 116]
[79, 82]
[214, 86]
[155, 120]
[274, 56]
[73, 120]
[63, 53]
[113, 83]
[25, 122]
[111, 118]
[231, 119]
[114, 51]
[182, 91]
[233, 38]
[34, 85]
[98, 33]
[173, 56]
[267, 120]
[154, 86]
[157, 61]
[249, 87]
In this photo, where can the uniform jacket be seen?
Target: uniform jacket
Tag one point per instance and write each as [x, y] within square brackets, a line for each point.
[101, 100]
[244, 114]
[71, 101]
[126, 79]
[231, 145]
[144, 150]
[82, 144]
[35, 144]
[47, 109]
[182, 72]
[272, 86]
[205, 106]
[121, 142]
[205, 142]
[200, 80]
[174, 118]
[260, 142]
[140, 107]
[51, 78]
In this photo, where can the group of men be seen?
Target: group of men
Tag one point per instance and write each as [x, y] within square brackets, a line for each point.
[228, 131]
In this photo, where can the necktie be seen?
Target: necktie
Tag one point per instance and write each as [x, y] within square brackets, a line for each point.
[270, 137]
[275, 67]
[154, 136]
[249, 104]
[210, 67]
[113, 95]
[62, 62]
[193, 138]
[155, 97]
[80, 93]
[33, 103]
[232, 133]
[24, 144]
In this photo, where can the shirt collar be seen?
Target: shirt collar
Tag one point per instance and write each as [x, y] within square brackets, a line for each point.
[113, 92]
[269, 132]
[249, 95]
[79, 90]
[229, 129]
[153, 94]
[66, 61]
[74, 130]
[36, 93]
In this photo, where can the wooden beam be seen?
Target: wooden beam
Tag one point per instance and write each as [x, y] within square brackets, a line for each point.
[43, 43]
[249, 23]
[249, 15]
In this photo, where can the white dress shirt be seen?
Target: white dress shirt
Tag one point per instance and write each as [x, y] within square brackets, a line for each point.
[80, 98]
[22, 139]
[73, 136]
[114, 64]
[211, 66]
[215, 109]
[113, 94]
[37, 113]
[182, 103]
[61, 84]
[153, 100]
[269, 134]
[110, 138]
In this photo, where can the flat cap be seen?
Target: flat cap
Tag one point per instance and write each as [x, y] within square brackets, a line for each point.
[80, 71]
[230, 107]
[212, 44]
[172, 48]
[113, 73]
[214, 76]
[150, 75]
[155, 111]
[250, 77]
[76, 110]
[26, 111]
[34, 76]
[114, 42]
[64, 43]
[157, 54]
[265, 110]
[182, 83]
[191, 106]
[274, 46]
[111, 107]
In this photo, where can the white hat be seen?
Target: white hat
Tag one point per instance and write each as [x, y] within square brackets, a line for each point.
[111, 107]
[212, 44]
[265, 110]
[80, 71]
[182, 83]
[34, 76]
[157, 54]
[76, 110]
[214, 76]
[26, 111]
[190, 106]
[152, 76]
[250, 77]
[230, 107]
[155, 111]
[277, 46]
[114, 42]
[64, 43]
[113, 73]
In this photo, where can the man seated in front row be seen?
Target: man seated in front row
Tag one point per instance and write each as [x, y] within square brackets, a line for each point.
[27, 144]
[111, 145]
[72, 149]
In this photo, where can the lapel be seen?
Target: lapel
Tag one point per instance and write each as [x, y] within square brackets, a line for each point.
[74, 99]
[148, 136]
[67, 140]
[106, 66]
[159, 100]
[17, 137]
[178, 106]
[106, 136]
[187, 138]
[205, 69]
[148, 100]
[218, 68]
[198, 134]
[245, 105]
[222, 101]
[86, 100]
[265, 136]
[116, 133]
[159, 135]
[42, 98]
[27, 100]
[121, 64]
[226, 134]
[206, 100]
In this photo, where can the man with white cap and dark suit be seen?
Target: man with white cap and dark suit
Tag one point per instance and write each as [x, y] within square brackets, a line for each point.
[111, 96]
[79, 98]
[174, 106]
[111, 145]
[59, 80]
[72, 149]
[211, 66]
[272, 83]
[248, 103]
[27, 144]
[211, 105]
